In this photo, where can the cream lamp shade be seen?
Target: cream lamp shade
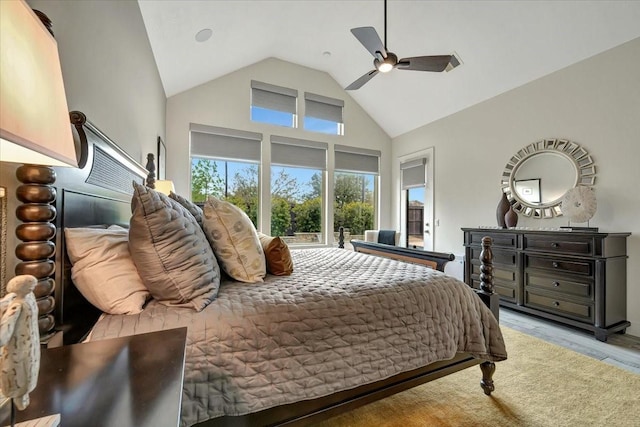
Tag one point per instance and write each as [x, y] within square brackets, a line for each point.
[165, 186]
[34, 118]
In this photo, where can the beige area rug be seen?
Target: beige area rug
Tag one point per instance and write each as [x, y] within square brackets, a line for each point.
[540, 384]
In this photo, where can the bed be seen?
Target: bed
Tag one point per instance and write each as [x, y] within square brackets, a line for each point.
[343, 330]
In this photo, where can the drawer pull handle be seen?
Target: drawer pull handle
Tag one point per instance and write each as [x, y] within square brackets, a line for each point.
[554, 245]
[556, 303]
[556, 284]
[555, 264]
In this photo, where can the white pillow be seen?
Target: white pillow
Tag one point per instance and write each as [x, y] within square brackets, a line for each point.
[103, 270]
[234, 240]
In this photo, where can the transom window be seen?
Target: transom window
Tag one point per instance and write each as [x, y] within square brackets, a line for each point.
[273, 104]
[323, 114]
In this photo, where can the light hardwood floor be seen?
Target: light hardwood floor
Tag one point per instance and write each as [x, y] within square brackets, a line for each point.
[622, 351]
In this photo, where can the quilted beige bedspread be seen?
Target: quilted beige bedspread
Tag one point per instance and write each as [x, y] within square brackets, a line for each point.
[342, 319]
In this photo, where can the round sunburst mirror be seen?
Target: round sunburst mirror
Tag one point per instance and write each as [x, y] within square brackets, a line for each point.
[536, 178]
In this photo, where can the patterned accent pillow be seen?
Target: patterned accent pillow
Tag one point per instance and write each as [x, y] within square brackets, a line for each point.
[171, 251]
[189, 205]
[277, 255]
[234, 240]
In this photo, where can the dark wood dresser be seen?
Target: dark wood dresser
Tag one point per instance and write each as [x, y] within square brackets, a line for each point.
[576, 278]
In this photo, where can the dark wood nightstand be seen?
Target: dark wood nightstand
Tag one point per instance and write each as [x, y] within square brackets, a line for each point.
[129, 381]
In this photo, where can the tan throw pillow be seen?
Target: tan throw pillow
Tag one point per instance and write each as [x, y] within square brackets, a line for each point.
[103, 270]
[195, 210]
[171, 251]
[234, 240]
[277, 255]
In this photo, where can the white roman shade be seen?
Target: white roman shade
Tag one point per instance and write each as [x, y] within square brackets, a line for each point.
[323, 107]
[413, 173]
[272, 97]
[360, 160]
[298, 152]
[223, 143]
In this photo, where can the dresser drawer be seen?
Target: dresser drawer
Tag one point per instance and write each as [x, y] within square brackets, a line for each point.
[499, 256]
[561, 285]
[499, 274]
[559, 306]
[562, 265]
[506, 292]
[499, 240]
[558, 244]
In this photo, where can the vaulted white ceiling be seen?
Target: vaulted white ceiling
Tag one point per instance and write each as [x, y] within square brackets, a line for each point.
[502, 44]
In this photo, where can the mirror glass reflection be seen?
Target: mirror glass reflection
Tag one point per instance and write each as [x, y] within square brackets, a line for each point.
[544, 178]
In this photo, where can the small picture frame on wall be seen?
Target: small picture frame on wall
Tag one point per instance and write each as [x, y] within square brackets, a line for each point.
[162, 159]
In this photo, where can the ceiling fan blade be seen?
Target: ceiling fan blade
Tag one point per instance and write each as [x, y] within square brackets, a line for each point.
[436, 63]
[362, 80]
[370, 39]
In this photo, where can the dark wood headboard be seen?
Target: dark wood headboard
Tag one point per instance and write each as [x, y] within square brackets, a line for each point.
[97, 194]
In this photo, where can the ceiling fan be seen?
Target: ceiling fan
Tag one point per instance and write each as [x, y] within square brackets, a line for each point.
[385, 61]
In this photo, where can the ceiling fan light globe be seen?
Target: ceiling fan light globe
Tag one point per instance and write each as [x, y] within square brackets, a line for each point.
[385, 67]
[387, 64]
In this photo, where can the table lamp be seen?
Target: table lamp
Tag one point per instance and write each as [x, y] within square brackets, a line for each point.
[34, 130]
[165, 186]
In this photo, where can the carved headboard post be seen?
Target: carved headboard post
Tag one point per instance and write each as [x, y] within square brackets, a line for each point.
[151, 167]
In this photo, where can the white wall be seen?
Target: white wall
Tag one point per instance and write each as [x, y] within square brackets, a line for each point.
[226, 101]
[595, 103]
[109, 74]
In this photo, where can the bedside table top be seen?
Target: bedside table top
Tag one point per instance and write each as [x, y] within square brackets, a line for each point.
[128, 381]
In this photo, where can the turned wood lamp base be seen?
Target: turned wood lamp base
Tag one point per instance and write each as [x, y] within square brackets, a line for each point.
[36, 233]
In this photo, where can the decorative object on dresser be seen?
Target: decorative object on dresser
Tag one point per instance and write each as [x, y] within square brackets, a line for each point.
[544, 171]
[579, 204]
[511, 218]
[576, 278]
[34, 129]
[501, 210]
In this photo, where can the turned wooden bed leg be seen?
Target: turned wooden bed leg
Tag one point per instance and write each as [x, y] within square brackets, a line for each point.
[486, 285]
[487, 368]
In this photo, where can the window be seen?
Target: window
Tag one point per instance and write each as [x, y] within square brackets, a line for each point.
[225, 164]
[297, 195]
[272, 104]
[323, 114]
[355, 190]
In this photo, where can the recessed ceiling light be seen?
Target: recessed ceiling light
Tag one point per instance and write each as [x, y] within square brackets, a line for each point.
[204, 35]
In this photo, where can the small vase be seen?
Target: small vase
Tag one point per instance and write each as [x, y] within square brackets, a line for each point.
[511, 218]
[501, 210]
